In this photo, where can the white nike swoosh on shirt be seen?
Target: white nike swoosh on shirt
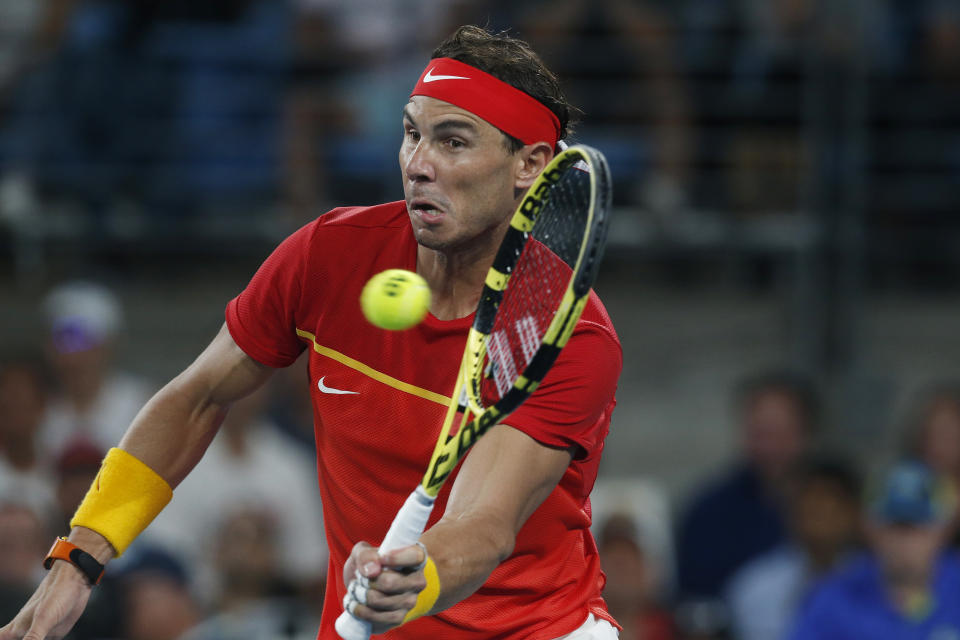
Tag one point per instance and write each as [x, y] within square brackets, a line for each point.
[324, 388]
[432, 78]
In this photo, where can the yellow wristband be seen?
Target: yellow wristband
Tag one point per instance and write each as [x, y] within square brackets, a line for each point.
[124, 498]
[428, 597]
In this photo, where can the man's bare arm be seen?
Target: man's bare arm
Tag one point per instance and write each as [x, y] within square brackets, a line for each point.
[170, 435]
[501, 483]
[173, 430]
[491, 499]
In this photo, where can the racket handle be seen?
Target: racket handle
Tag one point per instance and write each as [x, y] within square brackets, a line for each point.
[410, 521]
[404, 531]
[350, 628]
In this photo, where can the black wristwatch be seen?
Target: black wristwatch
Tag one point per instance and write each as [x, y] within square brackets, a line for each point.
[63, 549]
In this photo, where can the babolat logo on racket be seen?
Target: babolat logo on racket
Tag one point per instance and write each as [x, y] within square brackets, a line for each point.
[456, 447]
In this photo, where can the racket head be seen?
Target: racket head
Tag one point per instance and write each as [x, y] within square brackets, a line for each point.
[539, 282]
[561, 225]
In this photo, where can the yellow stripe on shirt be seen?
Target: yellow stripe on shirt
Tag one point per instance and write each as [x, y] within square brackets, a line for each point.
[373, 373]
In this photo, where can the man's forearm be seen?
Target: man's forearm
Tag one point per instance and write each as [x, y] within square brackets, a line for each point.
[173, 430]
[500, 484]
[166, 440]
[466, 551]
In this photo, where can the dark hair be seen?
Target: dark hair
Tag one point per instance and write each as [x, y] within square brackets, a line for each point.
[513, 61]
[833, 469]
[800, 390]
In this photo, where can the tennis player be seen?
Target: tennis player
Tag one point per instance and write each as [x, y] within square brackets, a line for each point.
[508, 553]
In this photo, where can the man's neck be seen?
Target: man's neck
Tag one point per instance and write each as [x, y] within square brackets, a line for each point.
[455, 277]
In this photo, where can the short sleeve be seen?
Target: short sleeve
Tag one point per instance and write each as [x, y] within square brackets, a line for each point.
[573, 404]
[262, 319]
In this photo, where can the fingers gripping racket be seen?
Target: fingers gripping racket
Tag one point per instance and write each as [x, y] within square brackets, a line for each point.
[532, 298]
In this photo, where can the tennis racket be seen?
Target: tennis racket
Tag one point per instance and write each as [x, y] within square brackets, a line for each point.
[532, 298]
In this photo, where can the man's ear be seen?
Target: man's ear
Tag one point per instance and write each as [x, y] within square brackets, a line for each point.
[531, 160]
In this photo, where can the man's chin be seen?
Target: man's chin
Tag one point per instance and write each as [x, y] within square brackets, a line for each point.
[431, 240]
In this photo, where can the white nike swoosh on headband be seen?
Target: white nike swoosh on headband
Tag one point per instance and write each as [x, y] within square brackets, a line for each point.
[432, 78]
[324, 388]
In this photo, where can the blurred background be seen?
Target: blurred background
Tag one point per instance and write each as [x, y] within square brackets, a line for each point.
[783, 271]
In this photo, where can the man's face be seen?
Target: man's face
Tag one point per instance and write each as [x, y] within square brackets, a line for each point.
[459, 177]
[906, 552]
[21, 404]
[774, 433]
[940, 438]
[825, 519]
[22, 534]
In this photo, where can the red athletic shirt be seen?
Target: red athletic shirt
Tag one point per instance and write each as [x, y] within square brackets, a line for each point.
[379, 399]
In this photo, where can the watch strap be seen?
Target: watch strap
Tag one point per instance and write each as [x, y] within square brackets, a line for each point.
[63, 549]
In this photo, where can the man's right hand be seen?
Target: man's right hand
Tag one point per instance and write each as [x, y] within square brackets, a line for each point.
[54, 608]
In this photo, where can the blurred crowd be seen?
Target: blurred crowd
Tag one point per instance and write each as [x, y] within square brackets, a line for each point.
[171, 111]
[792, 541]
[177, 109]
[239, 554]
[797, 539]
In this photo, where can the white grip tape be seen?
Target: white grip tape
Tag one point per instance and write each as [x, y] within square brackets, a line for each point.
[350, 628]
[405, 530]
[409, 522]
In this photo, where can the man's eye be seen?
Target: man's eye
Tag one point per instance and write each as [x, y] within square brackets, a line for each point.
[413, 134]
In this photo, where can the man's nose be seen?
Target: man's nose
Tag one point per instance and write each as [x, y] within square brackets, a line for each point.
[420, 163]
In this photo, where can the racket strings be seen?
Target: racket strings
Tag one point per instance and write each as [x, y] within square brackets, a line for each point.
[537, 284]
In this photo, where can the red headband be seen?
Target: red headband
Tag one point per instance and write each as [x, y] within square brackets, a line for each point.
[505, 107]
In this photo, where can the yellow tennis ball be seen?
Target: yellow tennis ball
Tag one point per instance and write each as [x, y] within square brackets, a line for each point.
[395, 299]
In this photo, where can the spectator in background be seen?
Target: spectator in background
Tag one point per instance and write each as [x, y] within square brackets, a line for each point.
[739, 516]
[314, 109]
[24, 474]
[768, 153]
[75, 469]
[157, 604]
[702, 620]
[934, 437]
[906, 587]
[629, 589]
[619, 57]
[923, 196]
[94, 401]
[824, 517]
[23, 538]
[32, 32]
[351, 63]
[249, 465]
[252, 601]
